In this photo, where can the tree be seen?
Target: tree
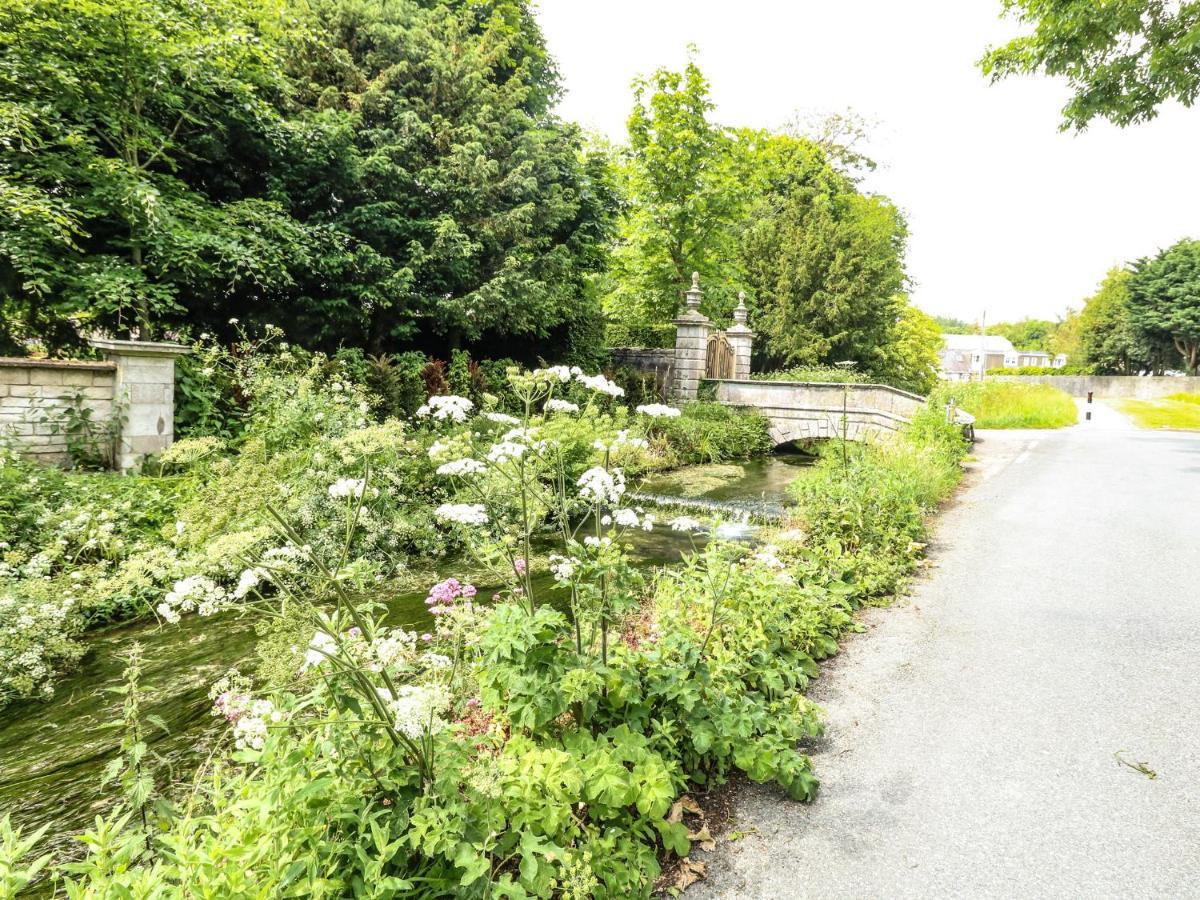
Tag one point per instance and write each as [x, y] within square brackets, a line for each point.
[910, 359]
[682, 200]
[1027, 334]
[952, 325]
[1164, 299]
[825, 268]
[1110, 343]
[1122, 59]
[113, 100]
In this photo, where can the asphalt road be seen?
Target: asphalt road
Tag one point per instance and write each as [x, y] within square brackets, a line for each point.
[974, 729]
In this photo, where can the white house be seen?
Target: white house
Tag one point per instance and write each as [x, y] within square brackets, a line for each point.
[968, 356]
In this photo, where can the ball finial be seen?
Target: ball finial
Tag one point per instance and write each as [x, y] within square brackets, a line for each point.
[695, 281]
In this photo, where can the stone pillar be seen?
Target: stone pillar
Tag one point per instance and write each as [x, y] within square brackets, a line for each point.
[144, 397]
[691, 345]
[741, 339]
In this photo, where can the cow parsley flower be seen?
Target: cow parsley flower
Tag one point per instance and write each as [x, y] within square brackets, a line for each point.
[462, 513]
[344, 488]
[419, 708]
[461, 467]
[600, 385]
[562, 567]
[555, 405]
[626, 518]
[446, 407]
[600, 486]
[248, 581]
[501, 418]
[686, 523]
[320, 647]
[659, 410]
[506, 450]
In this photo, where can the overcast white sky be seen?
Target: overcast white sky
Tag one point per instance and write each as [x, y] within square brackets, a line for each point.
[1006, 213]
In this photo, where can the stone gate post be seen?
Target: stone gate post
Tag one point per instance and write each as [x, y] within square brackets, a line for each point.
[144, 396]
[691, 345]
[741, 339]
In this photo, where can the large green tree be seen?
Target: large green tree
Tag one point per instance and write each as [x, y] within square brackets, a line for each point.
[1164, 299]
[1121, 58]
[1110, 342]
[1027, 334]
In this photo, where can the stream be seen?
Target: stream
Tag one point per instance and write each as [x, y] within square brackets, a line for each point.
[53, 753]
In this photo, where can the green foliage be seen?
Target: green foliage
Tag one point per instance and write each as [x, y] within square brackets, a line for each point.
[1006, 404]
[865, 506]
[17, 869]
[1042, 370]
[1164, 300]
[1110, 342]
[819, 374]
[711, 433]
[910, 359]
[1027, 334]
[91, 441]
[1121, 60]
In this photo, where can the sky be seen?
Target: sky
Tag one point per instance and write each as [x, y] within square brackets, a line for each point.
[1008, 216]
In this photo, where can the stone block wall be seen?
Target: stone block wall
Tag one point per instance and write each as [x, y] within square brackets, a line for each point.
[135, 383]
[33, 391]
[1113, 387]
[656, 361]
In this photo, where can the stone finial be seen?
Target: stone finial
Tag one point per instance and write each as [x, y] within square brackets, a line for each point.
[694, 294]
[739, 314]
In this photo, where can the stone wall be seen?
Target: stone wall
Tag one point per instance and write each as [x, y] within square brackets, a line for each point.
[136, 383]
[1113, 386]
[656, 361]
[33, 391]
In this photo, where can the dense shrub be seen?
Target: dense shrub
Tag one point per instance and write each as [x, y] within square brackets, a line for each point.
[712, 432]
[822, 374]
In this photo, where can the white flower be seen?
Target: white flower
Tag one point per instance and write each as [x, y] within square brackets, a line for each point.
[392, 647]
[592, 541]
[501, 418]
[659, 410]
[192, 593]
[233, 321]
[506, 450]
[168, 613]
[685, 523]
[562, 567]
[437, 661]
[626, 518]
[418, 709]
[562, 406]
[600, 486]
[462, 513]
[462, 467]
[320, 647]
[248, 581]
[623, 439]
[552, 373]
[347, 487]
[768, 556]
[447, 406]
[600, 384]
[438, 450]
[648, 523]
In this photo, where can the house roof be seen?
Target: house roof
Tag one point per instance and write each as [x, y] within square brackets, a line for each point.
[992, 343]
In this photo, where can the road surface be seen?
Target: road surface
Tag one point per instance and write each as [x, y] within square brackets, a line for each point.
[975, 730]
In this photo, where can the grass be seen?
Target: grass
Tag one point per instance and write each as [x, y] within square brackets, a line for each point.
[1002, 404]
[1176, 411]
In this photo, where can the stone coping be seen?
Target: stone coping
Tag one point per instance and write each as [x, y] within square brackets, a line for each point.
[139, 348]
[759, 382]
[18, 362]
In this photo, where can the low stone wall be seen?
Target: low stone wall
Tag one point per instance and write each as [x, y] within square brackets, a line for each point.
[656, 361]
[32, 391]
[1114, 387]
[136, 383]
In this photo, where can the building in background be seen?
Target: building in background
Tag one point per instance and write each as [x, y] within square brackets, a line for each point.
[969, 356]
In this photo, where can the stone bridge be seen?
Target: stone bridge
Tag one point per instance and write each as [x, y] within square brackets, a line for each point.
[806, 410]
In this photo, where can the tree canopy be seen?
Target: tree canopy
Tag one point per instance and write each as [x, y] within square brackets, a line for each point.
[1164, 299]
[1122, 59]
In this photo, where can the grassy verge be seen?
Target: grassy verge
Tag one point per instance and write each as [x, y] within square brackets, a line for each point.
[1001, 404]
[1176, 411]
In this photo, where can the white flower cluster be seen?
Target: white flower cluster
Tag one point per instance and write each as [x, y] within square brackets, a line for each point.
[600, 385]
[600, 486]
[556, 373]
[462, 467]
[628, 518]
[562, 567]
[501, 418]
[444, 407]
[248, 581]
[555, 405]
[686, 523]
[659, 411]
[505, 451]
[196, 592]
[249, 715]
[345, 488]
[462, 513]
[769, 557]
[419, 708]
[321, 647]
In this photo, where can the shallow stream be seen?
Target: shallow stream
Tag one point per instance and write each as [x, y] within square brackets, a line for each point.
[52, 754]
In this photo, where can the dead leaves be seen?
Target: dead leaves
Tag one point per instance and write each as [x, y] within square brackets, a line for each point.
[687, 871]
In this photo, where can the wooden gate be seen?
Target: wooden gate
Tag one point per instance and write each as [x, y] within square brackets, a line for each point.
[718, 362]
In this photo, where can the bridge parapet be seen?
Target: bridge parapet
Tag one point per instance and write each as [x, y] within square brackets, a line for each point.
[806, 410]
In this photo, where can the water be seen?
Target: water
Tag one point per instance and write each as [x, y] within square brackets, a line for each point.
[52, 754]
[757, 493]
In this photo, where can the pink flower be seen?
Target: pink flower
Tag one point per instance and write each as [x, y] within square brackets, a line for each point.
[520, 566]
[474, 701]
[468, 591]
[354, 632]
[427, 636]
